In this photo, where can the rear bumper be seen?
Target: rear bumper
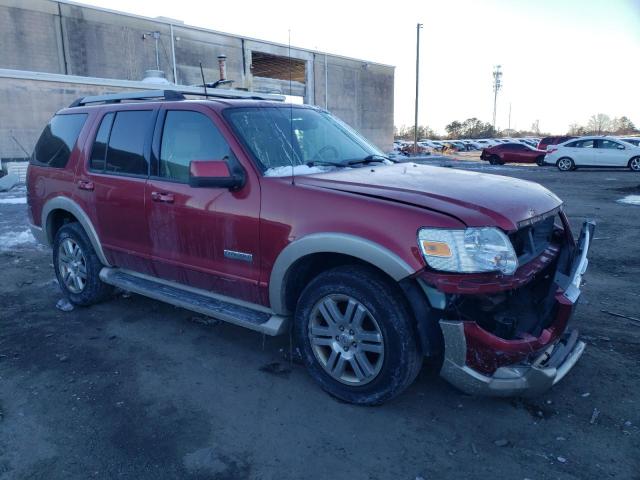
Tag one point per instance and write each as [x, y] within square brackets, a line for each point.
[527, 366]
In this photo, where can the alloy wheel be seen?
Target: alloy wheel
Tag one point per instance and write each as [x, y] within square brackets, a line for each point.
[72, 265]
[634, 164]
[346, 339]
[564, 164]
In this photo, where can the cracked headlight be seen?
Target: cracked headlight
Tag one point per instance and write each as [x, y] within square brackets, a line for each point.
[472, 250]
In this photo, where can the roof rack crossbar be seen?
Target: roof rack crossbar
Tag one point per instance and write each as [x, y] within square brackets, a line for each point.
[173, 94]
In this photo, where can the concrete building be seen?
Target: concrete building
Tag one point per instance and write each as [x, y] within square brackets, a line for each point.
[53, 52]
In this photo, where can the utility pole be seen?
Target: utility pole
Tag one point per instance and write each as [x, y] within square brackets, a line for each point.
[415, 125]
[497, 84]
[509, 115]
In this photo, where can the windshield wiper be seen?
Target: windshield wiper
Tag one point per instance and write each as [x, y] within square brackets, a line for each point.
[313, 163]
[370, 159]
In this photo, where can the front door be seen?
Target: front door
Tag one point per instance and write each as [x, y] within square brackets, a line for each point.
[202, 237]
[115, 181]
[611, 153]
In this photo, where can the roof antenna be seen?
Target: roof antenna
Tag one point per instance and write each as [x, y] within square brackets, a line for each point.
[293, 169]
[204, 84]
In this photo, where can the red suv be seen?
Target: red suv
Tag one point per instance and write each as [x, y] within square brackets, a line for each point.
[546, 141]
[282, 218]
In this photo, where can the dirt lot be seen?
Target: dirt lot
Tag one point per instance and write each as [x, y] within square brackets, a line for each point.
[137, 389]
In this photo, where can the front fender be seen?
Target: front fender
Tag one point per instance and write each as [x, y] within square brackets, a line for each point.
[340, 243]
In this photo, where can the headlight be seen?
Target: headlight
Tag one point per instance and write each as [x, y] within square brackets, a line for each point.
[484, 249]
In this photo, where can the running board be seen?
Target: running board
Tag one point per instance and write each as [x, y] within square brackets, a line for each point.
[238, 312]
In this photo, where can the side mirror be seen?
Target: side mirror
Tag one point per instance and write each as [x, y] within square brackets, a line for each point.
[214, 174]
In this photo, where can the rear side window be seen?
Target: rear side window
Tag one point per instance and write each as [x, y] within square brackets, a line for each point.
[119, 144]
[582, 144]
[58, 139]
[188, 136]
[99, 152]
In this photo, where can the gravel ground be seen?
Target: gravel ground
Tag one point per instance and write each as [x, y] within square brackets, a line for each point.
[137, 389]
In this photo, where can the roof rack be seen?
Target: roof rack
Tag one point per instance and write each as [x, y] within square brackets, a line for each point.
[172, 95]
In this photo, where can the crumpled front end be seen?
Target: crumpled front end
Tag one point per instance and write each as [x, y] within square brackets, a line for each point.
[507, 335]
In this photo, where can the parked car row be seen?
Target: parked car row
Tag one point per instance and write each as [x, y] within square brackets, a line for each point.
[427, 146]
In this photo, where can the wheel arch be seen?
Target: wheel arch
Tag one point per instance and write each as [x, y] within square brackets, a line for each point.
[64, 208]
[326, 246]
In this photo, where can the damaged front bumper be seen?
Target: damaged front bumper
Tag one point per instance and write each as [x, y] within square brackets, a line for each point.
[537, 363]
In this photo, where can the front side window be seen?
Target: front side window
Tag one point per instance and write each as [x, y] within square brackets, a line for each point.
[58, 139]
[285, 136]
[188, 136]
[609, 144]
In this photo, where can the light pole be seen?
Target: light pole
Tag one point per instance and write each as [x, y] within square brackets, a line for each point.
[415, 125]
[497, 84]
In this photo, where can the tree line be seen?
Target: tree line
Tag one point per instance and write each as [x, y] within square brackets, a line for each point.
[598, 124]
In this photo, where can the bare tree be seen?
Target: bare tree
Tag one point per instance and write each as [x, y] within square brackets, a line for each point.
[599, 124]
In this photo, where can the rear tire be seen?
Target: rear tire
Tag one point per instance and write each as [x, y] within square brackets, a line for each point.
[495, 160]
[77, 266]
[540, 161]
[634, 164]
[356, 335]
[565, 164]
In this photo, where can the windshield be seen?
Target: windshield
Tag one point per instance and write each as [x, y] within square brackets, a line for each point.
[282, 136]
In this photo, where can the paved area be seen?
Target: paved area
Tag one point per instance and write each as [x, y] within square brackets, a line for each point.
[136, 389]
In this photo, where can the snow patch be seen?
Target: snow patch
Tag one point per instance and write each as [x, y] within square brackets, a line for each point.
[630, 200]
[297, 170]
[11, 240]
[14, 200]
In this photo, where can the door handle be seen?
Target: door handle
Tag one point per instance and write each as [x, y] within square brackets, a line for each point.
[162, 197]
[85, 185]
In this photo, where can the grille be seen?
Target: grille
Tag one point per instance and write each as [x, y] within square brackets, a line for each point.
[532, 240]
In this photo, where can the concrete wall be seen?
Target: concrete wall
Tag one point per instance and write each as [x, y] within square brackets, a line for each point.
[63, 38]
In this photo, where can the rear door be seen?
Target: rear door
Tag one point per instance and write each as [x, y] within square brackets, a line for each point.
[581, 151]
[611, 153]
[114, 185]
[202, 237]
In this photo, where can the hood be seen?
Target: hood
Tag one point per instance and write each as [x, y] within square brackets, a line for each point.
[476, 199]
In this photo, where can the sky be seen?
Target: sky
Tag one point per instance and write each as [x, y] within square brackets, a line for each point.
[562, 60]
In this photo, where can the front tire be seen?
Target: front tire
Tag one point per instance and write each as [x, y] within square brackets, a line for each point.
[494, 160]
[356, 336]
[565, 164]
[634, 164]
[77, 266]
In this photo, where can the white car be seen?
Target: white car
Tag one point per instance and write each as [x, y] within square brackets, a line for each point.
[593, 152]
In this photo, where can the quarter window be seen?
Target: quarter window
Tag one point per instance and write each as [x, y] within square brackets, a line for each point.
[58, 139]
[188, 136]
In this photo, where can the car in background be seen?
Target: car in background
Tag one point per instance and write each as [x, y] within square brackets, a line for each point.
[594, 152]
[512, 153]
[633, 141]
[554, 140]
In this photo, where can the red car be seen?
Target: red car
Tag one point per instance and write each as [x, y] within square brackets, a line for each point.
[512, 153]
[555, 140]
[283, 220]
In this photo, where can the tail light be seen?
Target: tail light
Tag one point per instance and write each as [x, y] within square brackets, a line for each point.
[551, 150]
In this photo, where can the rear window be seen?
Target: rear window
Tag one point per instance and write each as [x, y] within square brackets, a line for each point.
[58, 139]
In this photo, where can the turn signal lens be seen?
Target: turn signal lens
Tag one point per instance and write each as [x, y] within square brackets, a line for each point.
[436, 249]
